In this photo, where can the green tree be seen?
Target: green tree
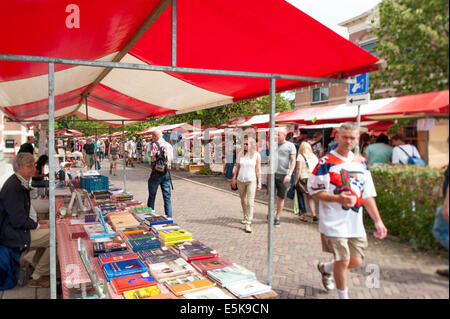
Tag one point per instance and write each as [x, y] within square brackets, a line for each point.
[87, 127]
[413, 39]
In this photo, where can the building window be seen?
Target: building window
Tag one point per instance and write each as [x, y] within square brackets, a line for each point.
[369, 46]
[320, 94]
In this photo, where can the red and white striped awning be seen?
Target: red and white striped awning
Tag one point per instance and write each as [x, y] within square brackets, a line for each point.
[170, 127]
[264, 36]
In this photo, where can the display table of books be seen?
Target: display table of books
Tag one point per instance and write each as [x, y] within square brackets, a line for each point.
[122, 249]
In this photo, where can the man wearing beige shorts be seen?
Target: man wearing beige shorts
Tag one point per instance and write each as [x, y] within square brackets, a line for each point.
[343, 184]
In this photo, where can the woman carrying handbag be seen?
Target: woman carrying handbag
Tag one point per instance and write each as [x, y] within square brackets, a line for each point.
[247, 178]
[306, 162]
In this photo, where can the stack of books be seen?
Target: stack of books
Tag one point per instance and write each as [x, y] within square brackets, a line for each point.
[154, 219]
[193, 250]
[124, 268]
[122, 220]
[170, 269]
[230, 275]
[157, 228]
[133, 230]
[101, 194]
[187, 284]
[122, 284]
[97, 230]
[171, 237]
[138, 244]
[245, 289]
[122, 197]
[157, 255]
[114, 244]
[205, 265]
[143, 210]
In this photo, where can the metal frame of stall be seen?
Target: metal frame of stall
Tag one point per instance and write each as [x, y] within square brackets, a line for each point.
[162, 5]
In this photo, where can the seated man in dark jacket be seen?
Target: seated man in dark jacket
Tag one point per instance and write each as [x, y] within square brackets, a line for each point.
[16, 223]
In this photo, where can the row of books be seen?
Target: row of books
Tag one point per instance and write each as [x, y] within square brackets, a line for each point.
[151, 255]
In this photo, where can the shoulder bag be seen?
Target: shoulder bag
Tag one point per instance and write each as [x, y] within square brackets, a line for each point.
[302, 184]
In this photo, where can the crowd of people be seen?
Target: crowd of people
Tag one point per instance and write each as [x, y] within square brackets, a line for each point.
[332, 182]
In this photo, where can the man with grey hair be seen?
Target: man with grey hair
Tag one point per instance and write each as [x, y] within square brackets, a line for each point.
[19, 228]
[343, 184]
[161, 154]
[285, 168]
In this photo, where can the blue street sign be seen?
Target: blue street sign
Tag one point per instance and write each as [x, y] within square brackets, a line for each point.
[361, 86]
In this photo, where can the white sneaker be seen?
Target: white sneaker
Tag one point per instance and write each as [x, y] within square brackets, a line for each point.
[243, 222]
[248, 229]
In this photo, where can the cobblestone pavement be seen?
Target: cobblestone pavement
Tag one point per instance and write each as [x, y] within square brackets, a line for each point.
[213, 216]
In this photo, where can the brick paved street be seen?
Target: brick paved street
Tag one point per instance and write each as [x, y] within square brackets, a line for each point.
[213, 217]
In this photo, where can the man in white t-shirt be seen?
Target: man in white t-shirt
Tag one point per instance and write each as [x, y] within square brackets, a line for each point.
[402, 151]
[342, 183]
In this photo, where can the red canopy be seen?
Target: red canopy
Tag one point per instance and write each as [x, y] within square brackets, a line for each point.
[254, 35]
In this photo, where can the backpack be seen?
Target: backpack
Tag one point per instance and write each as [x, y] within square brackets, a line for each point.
[414, 160]
[160, 163]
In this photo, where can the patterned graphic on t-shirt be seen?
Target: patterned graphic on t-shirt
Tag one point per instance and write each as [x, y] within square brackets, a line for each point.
[344, 182]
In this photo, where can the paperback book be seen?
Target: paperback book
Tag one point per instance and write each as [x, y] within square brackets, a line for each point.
[157, 220]
[170, 269]
[186, 284]
[106, 260]
[95, 230]
[171, 237]
[161, 227]
[157, 255]
[124, 268]
[116, 244]
[132, 282]
[143, 243]
[204, 265]
[193, 250]
[231, 274]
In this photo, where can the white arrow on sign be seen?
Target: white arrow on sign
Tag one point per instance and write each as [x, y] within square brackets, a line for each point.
[357, 99]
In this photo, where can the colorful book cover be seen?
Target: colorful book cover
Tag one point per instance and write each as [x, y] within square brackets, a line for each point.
[231, 274]
[132, 282]
[124, 268]
[157, 255]
[155, 220]
[204, 265]
[210, 293]
[107, 260]
[169, 269]
[142, 293]
[143, 210]
[174, 236]
[132, 230]
[141, 235]
[183, 285]
[161, 227]
[114, 254]
[96, 229]
[193, 250]
[144, 243]
[115, 244]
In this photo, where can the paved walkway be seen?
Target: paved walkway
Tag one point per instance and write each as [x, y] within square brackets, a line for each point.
[213, 216]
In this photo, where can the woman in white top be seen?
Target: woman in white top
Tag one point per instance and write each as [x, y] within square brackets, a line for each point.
[402, 151]
[306, 162]
[248, 173]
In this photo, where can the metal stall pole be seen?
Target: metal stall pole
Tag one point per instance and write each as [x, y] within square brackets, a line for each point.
[271, 181]
[358, 121]
[124, 161]
[51, 159]
[174, 33]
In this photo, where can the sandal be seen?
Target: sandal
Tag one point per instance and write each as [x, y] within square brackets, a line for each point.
[303, 218]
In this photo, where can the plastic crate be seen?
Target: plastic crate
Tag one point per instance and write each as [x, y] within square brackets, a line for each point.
[94, 183]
